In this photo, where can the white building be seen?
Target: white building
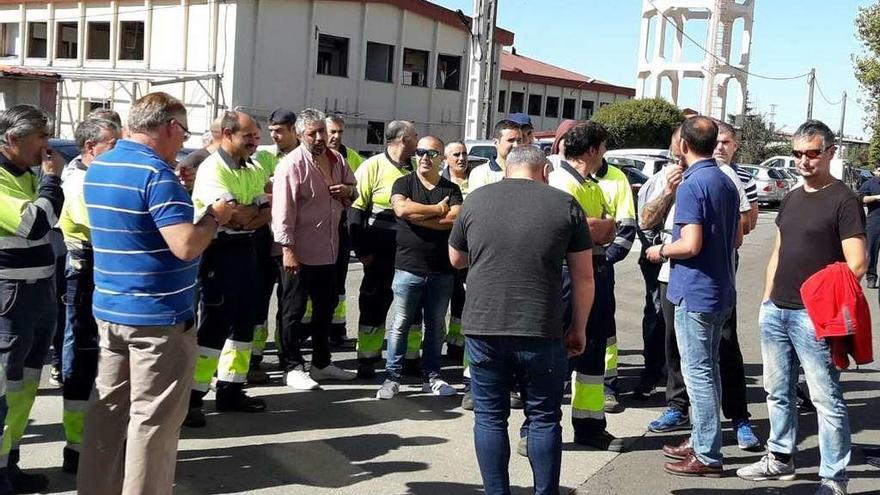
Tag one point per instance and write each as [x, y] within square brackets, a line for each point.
[371, 61]
[550, 94]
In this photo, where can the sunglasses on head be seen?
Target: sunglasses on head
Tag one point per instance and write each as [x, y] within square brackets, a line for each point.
[811, 154]
[431, 153]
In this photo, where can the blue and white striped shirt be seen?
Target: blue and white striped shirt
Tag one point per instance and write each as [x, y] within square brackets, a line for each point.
[130, 193]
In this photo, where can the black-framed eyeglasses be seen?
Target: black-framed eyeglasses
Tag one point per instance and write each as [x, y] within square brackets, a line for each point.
[431, 153]
[186, 133]
[811, 154]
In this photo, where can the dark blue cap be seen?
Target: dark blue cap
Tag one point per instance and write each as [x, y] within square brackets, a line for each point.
[521, 119]
[282, 116]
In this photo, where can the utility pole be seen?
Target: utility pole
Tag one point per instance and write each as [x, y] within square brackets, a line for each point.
[479, 104]
[842, 119]
[812, 83]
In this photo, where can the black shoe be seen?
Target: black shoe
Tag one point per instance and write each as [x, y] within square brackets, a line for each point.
[467, 401]
[643, 391]
[366, 371]
[872, 283]
[24, 482]
[455, 352]
[516, 401]
[71, 461]
[195, 418]
[522, 447]
[412, 367]
[340, 342]
[240, 402]
[602, 441]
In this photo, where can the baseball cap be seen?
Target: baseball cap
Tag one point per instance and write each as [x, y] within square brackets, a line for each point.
[282, 116]
[521, 119]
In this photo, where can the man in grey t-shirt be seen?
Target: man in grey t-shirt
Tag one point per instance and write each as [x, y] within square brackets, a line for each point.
[512, 320]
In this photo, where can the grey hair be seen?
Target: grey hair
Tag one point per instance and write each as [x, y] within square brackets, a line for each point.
[23, 120]
[336, 119]
[526, 156]
[396, 129]
[813, 128]
[451, 144]
[152, 111]
[106, 114]
[90, 130]
[308, 116]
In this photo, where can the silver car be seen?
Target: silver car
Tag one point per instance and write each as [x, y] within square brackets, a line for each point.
[772, 183]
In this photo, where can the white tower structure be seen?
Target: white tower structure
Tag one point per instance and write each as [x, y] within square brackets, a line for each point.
[716, 69]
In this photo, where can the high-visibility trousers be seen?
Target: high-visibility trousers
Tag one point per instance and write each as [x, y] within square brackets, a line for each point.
[228, 275]
[375, 294]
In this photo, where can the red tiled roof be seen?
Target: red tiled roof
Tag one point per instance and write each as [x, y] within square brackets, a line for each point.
[515, 67]
[6, 70]
[423, 7]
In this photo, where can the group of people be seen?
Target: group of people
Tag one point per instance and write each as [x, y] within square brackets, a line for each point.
[170, 269]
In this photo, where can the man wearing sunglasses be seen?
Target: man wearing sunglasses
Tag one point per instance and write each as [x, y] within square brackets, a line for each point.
[818, 224]
[426, 205]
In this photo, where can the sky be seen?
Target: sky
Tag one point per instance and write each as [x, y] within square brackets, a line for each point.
[600, 38]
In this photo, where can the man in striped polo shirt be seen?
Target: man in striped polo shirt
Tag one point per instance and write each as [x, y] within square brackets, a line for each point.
[28, 209]
[146, 252]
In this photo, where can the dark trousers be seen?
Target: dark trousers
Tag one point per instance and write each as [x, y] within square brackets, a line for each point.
[268, 276]
[873, 228]
[375, 293]
[588, 394]
[319, 284]
[733, 381]
[611, 337]
[80, 363]
[653, 326]
[338, 329]
[228, 276]
[57, 355]
[536, 367]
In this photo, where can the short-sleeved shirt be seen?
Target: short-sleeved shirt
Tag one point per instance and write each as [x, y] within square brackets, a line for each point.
[812, 226]
[375, 179]
[705, 282]
[487, 173]
[871, 187]
[516, 249]
[130, 193]
[420, 249]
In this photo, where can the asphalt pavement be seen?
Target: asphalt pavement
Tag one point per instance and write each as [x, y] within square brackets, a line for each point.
[341, 440]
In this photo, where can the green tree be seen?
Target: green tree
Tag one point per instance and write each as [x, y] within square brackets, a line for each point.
[758, 141]
[867, 71]
[646, 123]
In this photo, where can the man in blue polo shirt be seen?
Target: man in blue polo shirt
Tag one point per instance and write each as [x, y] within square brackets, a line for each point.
[146, 259]
[701, 285]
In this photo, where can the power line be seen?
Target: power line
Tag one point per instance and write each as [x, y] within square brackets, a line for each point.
[759, 76]
[838, 102]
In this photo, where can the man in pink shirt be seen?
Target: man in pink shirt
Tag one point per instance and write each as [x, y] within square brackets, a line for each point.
[312, 187]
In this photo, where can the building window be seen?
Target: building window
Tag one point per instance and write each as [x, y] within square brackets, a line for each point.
[380, 62]
[9, 39]
[90, 106]
[67, 40]
[552, 108]
[332, 55]
[375, 132]
[449, 72]
[131, 40]
[535, 104]
[37, 32]
[415, 67]
[586, 110]
[502, 101]
[98, 41]
[568, 108]
[604, 104]
[516, 102]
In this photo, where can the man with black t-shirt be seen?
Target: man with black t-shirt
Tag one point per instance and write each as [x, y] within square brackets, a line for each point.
[835, 232]
[425, 205]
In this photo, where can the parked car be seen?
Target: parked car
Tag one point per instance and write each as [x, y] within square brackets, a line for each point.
[779, 161]
[772, 183]
[647, 164]
[482, 148]
[641, 151]
[636, 179]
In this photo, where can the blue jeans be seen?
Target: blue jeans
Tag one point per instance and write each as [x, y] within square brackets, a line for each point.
[699, 338]
[431, 292]
[788, 339]
[538, 368]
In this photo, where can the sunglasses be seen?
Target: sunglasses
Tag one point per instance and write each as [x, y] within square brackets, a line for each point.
[431, 153]
[811, 154]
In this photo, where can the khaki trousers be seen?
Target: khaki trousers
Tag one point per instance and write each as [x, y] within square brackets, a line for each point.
[133, 425]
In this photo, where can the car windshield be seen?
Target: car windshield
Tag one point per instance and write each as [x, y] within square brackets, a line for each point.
[483, 152]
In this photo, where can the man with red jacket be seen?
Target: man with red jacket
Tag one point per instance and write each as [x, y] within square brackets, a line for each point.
[835, 232]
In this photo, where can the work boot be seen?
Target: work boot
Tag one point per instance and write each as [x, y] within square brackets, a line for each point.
[467, 400]
[70, 463]
[195, 418]
[24, 482]
[256, 375]
[600, 441]
[522, 447]
[240, 402]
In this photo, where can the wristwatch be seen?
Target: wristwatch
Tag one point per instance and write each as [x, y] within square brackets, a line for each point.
[663, 257]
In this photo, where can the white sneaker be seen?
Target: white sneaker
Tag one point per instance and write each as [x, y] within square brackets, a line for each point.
[831, 487]
[768, 468]
[439, 388]
[332, 372]
[298, 379]
[388, 390]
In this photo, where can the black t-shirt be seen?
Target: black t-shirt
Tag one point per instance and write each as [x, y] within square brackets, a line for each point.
[812, 226]
[420, 249]
[517, 233]
[871, 187]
